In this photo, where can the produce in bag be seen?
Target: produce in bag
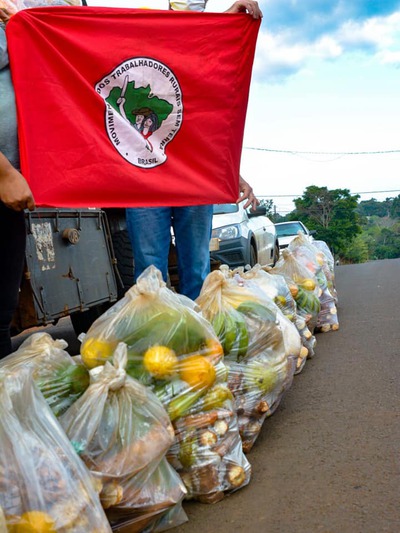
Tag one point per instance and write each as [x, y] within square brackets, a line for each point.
[122, 432]
[260, 371]
[287, 304]
[61, 378]
[155, 503]
[276, 288]
[328, 265]
[313, 260]
[303, 286]
[174, 350]
[44, 486]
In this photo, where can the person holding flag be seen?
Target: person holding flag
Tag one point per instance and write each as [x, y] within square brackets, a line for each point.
[149, 228]
[15, 193]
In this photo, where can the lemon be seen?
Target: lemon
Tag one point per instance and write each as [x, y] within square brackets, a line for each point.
[308, 284]
[197, 371]
[95, 351]
[280, 299]
[35, 522]
[160, 361]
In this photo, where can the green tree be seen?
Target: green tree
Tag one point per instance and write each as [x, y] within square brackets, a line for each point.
[372, 207]
[358, 251]
[332, 213]
[395, 207]
[269, 206]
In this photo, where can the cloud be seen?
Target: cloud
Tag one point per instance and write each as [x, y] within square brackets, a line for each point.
[294, 33]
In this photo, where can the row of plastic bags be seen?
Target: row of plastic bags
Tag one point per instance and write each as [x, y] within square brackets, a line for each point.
[163, 386]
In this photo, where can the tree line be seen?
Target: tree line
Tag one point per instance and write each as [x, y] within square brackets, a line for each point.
[356, 231]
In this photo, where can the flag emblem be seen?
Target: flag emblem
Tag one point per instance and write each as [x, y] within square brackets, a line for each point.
[143, 109]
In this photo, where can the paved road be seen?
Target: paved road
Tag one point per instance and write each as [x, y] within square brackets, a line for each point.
[328, 460]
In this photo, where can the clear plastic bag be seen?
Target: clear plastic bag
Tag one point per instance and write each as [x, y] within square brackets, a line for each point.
[328, 265]
[260, 371]
[174, 350]
[122, 432]
[314, 260]
[44, 486]
[302, 284]
[276, 288]
[62, 379]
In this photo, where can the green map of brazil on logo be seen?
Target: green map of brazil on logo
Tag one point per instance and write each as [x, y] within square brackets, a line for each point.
[139, 123]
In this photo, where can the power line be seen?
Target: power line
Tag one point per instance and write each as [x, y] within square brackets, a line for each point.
[294, 152]
[299, 195]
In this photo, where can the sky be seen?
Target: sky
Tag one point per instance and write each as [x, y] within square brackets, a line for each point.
[325, 87]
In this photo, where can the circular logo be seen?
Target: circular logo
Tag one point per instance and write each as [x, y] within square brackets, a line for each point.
[143, 109]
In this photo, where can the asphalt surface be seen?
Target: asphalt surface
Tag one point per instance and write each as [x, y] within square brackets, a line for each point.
[327, 461]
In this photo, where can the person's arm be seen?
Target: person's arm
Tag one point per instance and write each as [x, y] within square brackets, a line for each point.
[246, 193]
[14, 189]
[246, 6]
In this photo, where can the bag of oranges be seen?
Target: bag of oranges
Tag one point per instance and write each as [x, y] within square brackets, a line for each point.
[173, 350]
[44, 486]
[122, 432]
[259, 369]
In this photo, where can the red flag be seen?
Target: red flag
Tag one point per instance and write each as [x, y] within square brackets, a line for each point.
[123, 107]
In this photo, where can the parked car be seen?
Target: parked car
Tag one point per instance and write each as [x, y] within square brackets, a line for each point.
[287, 231]
[243, 237]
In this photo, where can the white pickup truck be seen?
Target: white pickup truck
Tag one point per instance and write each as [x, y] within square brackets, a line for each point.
[243, 237]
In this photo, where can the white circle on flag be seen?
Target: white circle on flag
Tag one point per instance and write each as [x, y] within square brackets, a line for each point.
[143, 109]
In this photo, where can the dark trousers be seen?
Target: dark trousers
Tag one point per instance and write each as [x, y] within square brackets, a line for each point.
[12, 253]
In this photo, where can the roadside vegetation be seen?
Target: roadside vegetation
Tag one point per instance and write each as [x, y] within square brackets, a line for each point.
[355, 231]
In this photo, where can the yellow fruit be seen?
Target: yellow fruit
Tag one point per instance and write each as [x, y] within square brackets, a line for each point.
[35, 522]
[280, 299]
[197, 371]
[160, 361]
[95, 352]
[308, 284]
[213, 348]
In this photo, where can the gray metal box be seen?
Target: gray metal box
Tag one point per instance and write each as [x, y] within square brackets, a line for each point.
[69, 264]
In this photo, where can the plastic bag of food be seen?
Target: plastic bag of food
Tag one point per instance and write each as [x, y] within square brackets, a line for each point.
[328, 265]
[122, 432]
[303, 286]
[62, 379]
[174, 350]
[296, 339]
[44, 486]
[277, 288]
[260, 371]
[314, 260]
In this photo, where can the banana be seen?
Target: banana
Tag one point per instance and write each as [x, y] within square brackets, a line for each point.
[242, 336]
[218, 324]
[229, 334]
[225, 328]
[308, 301]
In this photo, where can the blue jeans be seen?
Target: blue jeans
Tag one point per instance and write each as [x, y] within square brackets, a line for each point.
[150, 234]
